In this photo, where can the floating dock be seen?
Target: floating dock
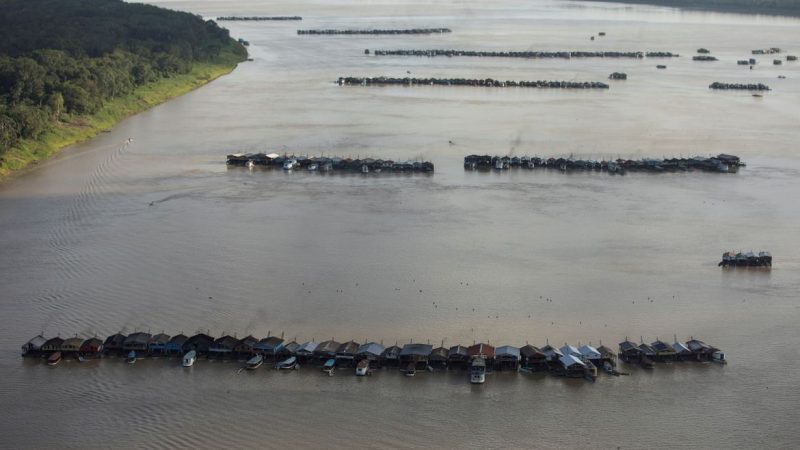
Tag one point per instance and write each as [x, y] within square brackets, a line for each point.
[749, 259]
[376, 31]
[739, 86]
[721, 163]
[327, 163]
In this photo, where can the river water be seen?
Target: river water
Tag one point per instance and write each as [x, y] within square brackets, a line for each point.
[161, 235]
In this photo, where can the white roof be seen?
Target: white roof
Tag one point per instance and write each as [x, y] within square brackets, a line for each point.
[371, 348]
[570, 350]
[569, 360]
[589, 352]
[308, 347]
[273, 155]
[680, 348]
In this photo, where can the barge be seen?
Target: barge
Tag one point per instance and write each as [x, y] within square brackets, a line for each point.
[722, 163]
[327, 163]
[749, 259]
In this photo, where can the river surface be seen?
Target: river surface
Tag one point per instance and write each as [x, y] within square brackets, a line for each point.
[161, 235]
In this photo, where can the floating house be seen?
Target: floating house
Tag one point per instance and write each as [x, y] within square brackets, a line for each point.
[484, 350]
[391, 356]
[551, 353]
[175, 345]
[113, 343]
[270, 346]
[629, 351]
[570, 350]
[346, 353]
[136, 342]
[306, 350]
[458, 356]
[371, 351]
[532, 358]
[288, 350]
[326, 350]
[158, 344]
[607, 355]
[71, 345]
[246, 346]
[223, 346]
[200, 343]
[664, 351]
[682, 352]
[704, 352]
[648, 352]
[416, 354]
[52, 345]
[438, 358]
[34, 346]
[591, 354]
[572, 366]
[507, 357]
[92, 347]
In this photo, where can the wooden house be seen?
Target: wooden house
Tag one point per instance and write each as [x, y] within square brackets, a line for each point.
[371, 351]
[52, 345]
[113, 344]
[175, 344]
[532, 358]
[246, 347]
[485, 351]
[391, 356]
[417, 354]
[346, 353]
[34, 346]
[223, 346]
[92, 347]
[200, 343]
[71, 345]
[438, 358]
[458, 356]
[136, 342]
[326, 350]
[572, 366]
[506, 357]
[270, 346]
[158, 344]
[629, 351]
[305, 351]
[664, 351]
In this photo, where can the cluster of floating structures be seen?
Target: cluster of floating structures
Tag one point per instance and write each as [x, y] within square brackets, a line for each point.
[720, 163]
[618, 76]
[327, 163]
[378, 31]
[259, 18]
[749, 259]
[739, 86]
[583, 361]
[488, 82]
[704, 58]
[523, 54]
[766, 51]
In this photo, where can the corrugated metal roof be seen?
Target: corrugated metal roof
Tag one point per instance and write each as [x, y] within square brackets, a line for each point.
[680, 348]
[481, 349]
[507, 351]
[416, 350]
[457, 350]
[370, 349]
[589, 352]
[307, 347]
[570, 360]
[570, 350]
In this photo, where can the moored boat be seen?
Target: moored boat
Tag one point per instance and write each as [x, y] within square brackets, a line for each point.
[189, 358]
[329, 367]
[410, 370]
[54, 359]
[254, 362]
[477, 371]
[131, 358]
[362, 368]
[288, 363]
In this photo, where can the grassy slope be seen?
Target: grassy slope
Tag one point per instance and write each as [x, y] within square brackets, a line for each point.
[80, 128]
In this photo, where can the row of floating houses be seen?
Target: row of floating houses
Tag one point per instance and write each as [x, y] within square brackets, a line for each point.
[568, 360]
[378, 31]
[720, 163]
[749, 259]
[523, 54]
[259, 18]
[488, 82]
[327, 164]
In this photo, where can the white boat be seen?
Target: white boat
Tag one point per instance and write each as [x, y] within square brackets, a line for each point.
[250, 164]
[411, 369]
[718, 357]
[254, 362]
[362, 368]
[313, 166]
[189, 358]
[477, 372]
[289, 363]
[131, 357]
[289, 164]
[329, 367]
[364, 168]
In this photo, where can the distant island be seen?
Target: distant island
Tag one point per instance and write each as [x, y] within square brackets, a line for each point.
[70, 69]
[772, 7]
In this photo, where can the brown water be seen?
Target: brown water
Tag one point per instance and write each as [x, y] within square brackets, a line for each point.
[160, 235]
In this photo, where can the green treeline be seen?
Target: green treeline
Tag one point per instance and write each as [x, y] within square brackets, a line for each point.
[65, 58]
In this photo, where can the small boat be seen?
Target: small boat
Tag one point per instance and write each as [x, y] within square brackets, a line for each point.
[250, 164]
[646, 363]
[365, 169]
[329, 367]
[477, 372]
[719, 357]
[289, 164]
[288, 363]
[131, 357]
[313, 166]
[254, 362]
[411, 369]
[189, 358]
[362, 368]
[54, 359]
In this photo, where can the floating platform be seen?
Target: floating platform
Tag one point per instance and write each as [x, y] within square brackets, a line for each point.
[749, 259]
[327, 163]
[524, 54]
[721, 163]
[376, 31]
[739, 86]
[258, 18]
[488, 82]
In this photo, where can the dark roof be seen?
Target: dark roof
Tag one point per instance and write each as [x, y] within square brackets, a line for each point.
[606, 352]
[481, 349]
[391, 352]
[53, 342]
[226, 341]
[199, 338]
[348, 348]
[439, 354]
[92, 342]
[416, 350]
[248, 341]
[137, 338]
[457, 350]
[160, 338]
[115, 340]
[178, 339]
[327, 348]
[529, 351]
[662, 347]
[627, 346]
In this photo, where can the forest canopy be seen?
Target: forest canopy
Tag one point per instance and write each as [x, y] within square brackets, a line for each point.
[70, 56]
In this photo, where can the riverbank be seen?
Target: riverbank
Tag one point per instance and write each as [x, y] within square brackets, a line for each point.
[73, 129]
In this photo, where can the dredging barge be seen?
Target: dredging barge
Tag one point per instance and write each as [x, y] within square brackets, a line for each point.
[488, 82]
[749, 259]
[721, 163]
[327, 163]
[583, 361]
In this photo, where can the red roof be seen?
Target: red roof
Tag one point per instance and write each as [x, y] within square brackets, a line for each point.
[481, 349]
